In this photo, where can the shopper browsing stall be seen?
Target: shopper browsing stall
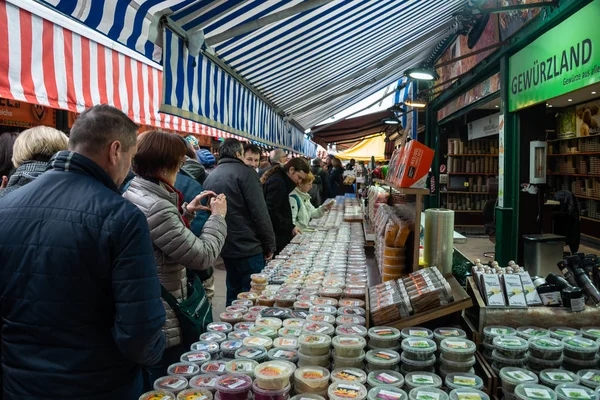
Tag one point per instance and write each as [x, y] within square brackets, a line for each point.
[300, 203]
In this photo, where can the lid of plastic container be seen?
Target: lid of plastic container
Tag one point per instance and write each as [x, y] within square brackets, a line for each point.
[464, 379]
[273, 313]
[351, 330]
[383, 356]
[241, 366]
[532, 331]
[307, 396]
[197, 357]
[251, 316]
[219, 327]
[468, 394]
[261, 341]
[252, 353]
[384, 332]
[228, 315]
[242, 302]
[351, 311]
[510, 343]
[289, 332]
[591, 331]
[564, 331]
[385, 377]
[237, 309]
[243, 326]
[418, 363]
[260, 278]
[157, 395]
[418, 345]
[589, 377]
[297, 314]
[283, 354]
[231, 345]
[185, 369]
[314, 340]
[321, 317]
[417, 332]
[458, 345]
[294, 323]
[247, 296]
[427, 393]
[213, 367]
[350, 320]
[238, 335]
[263, 330]
[349, 342]
[346, 390]
[269, 322]
[527, 391]
[516, 376]
[194, 394]
[555, 377]
[213, 337]
[303, 304]
[351, 303]
[580, 344]
[289, 342]
[570, 391]
[387, 393]
[274, 370]
[233, 383]
[209, 347]
[171, 383]
[204, 381]
[257, 309]
[546, 343]
[319, 327]
[312, 374]
[354, 375]
[495, 330]
[323, 309]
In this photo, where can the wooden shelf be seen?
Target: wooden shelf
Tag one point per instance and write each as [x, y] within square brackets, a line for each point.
[472, 155]
[583, 175]
[472, 173]
[402, 190]
[459, 192]
[586, 197]
[586, 153]
[575, 138]
[590, 219]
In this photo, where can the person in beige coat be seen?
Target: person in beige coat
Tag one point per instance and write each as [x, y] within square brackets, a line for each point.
[159, 157]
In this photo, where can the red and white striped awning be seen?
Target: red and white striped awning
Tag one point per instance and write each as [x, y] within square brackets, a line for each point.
[44, 63]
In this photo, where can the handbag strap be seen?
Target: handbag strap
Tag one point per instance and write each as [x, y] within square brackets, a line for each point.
[168, 297]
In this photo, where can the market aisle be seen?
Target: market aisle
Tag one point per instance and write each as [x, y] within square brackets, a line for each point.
[218, 301]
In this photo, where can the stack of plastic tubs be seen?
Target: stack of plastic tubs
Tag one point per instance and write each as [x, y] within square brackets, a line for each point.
[417, 355]
[580, 353]
[544, 353]
[457, 356]
[489, 333]
[512, 377]
[509, 351]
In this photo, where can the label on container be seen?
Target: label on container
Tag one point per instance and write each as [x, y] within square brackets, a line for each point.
[499, 331]
[594, 332]
[423, 379]
[295, 323]
[312, 374]
[241, 335]
[578, 305]
[448, 332]
[184, 369]
[314, 339]
[271, 370]
[205, 381]
[197, 357]
[288, 342]
[250, 353]
[231, 345]
[546, 343]
[579, 342]
[218, 327]
[468, 396]
[519, 376]
[384, 355]
[456, 345]
[288, 355]
[211, 336]
[232, 382]
[242, 366]
[214, 367]
[509, 342]
[347, 391]
[564, 332]
[349, 341]
[425, 395]
[417, 332]
[383, 332]
[574, 393]
[464, 380]
[537, 393]
[258, 341]
[421, 344]
[348, 375]
[551, 298]
[263, 331]
[386, 378]
[387, 395]
[559, 376]
[592, 376]
[173, 383]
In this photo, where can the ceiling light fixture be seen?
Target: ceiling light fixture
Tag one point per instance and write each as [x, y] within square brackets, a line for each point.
[418, 103]
[422, 74]
[391, 121]
[569, 99]
[397, 108]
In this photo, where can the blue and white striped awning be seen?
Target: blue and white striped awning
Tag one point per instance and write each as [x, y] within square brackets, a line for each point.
[308, 59]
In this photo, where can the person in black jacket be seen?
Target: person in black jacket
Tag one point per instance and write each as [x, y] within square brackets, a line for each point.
[79, 291]
[336, 178]
[321, 183]
[250, 238]
[278, 183]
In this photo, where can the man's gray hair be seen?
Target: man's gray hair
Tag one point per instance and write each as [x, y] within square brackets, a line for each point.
[276, 155]
[230, 147]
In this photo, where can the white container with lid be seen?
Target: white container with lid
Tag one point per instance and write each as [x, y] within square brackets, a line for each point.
[513, 376]
[386, 393]
[463, 380]
[349, 346]
[314, 344]
[511, 346]
[185, 369]
[417, 332]
[351, 330]
[554, 377]
[383, 336]
[346, 391]
[568, 391]
[286, 342]
[418, 349]
[385, 378]
[353, 375]
[533, 391]
[382, 359]
[428, 393]
[311, 379]
[422, 379]
[457, 349]
[241, 366]
[273, 375]
[580, 348]
[305, 360]
[171, 383]
[589, 378]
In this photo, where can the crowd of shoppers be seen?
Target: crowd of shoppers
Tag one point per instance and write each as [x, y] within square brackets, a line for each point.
[107, 233]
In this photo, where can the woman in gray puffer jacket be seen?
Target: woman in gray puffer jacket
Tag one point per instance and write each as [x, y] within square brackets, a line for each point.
[159, 157]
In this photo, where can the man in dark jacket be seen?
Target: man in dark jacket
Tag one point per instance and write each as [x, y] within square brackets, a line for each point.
[320, 184]
[79, 292]
[250, 238]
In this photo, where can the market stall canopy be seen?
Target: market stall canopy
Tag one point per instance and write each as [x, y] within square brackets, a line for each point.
[351, 129]
[363, 150]
[271, 68]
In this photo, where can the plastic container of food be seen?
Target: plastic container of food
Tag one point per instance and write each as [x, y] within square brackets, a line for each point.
[351, 330]
[195, 394]
[255, 353]
[418, 349]
[350, 320]
[311, 379]
[267, 300]
[319, 327]
[527, 332]
[386, 393]
[463, 380]
[560, 332]
[385, 377]
[216, 367]
[302, 305]
[511, 346]
[247, 296]
[580, 348]
[231, 317]
[229, 347]
[241, 366]
[314, 344]
[321, 317]
[262, 330]
[261, 341]
[285, 300]
[224, 327]
[410, 365]
[457, 349]
[309, 396]
[274, 323]
[567, 391]
[243, 326]
[504, 361]
[306, 360]
[206, 382]
[236, 308]
[251, 316]
[554, 377]
[273, 375]
[257, 309]
[262, 279]
[196, 357]
[323, 309]
[351, 303]
[456, 366]
[382, 359]
[211, 348]
[491, 331]
[513, 376]
[286, 342]
[267, 394]
[348, 362]
[416, 332]
[589, 378]
[383, 336]
[351, 375]
[351, 311]
[468, 394]
[532, 391]
[332, 292]
[346, 390]
[171, 383]
[538, 364]
[427, 393]
[349, 346]
[213, 337]
[238, 335]
[575, 365]
[157, 395]
[591, 332]
[294, 323]
[185, 369]
[242, 302]
[283, 354]
[233, 386]
[546, 348]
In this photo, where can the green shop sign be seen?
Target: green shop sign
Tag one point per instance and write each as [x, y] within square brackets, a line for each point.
[563, 59]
